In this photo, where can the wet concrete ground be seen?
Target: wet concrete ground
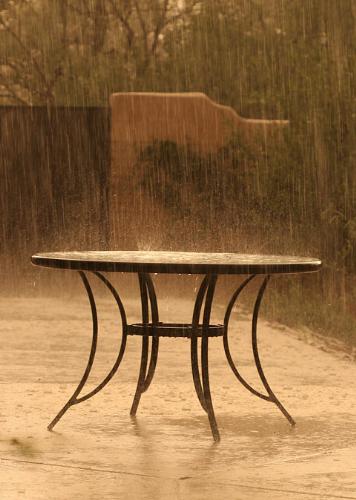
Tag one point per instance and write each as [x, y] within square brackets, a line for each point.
[98, 452]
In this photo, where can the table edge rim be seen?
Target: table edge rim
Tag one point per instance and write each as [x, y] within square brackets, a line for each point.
[176, 268]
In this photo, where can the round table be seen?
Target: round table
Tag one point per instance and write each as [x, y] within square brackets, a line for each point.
[211, 265]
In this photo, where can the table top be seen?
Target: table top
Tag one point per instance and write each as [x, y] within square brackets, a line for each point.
[177, 262]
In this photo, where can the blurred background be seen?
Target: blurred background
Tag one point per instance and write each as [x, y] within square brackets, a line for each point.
[60, 60]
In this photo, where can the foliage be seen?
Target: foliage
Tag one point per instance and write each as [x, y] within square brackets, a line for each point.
[239, 177]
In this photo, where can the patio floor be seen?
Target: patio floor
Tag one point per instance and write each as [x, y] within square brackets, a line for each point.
[98, 452]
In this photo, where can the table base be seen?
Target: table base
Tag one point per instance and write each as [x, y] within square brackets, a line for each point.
[199, 330]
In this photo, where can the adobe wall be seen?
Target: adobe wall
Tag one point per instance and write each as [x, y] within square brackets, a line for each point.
[139, 119]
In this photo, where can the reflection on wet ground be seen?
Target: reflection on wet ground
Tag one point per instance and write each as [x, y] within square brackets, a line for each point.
[98, 451]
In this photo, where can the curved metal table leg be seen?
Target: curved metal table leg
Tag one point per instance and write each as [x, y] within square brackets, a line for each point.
[146, 373]
[155, 340]
[272, 397]
[194, 342]
[204, 357]
[74, 399]
[202, 384]
[270, 394]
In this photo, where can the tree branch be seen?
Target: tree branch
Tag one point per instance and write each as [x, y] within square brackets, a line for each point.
[159, 26]
[28, 54]
[130, 34]
[143, 26]
[183, 13]
[12, 93]
[24, 48]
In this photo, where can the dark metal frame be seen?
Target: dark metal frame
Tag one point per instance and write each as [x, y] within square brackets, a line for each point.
[200, 328]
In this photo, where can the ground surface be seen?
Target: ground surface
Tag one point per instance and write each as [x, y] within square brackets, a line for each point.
[98, 452]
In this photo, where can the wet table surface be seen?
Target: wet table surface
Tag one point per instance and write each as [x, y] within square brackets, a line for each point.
[177, 262]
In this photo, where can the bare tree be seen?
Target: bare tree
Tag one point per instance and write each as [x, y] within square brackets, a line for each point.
[144, 23]
[24, 77]
[128, 33]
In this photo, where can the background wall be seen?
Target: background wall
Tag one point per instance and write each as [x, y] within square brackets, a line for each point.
[54, 165]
